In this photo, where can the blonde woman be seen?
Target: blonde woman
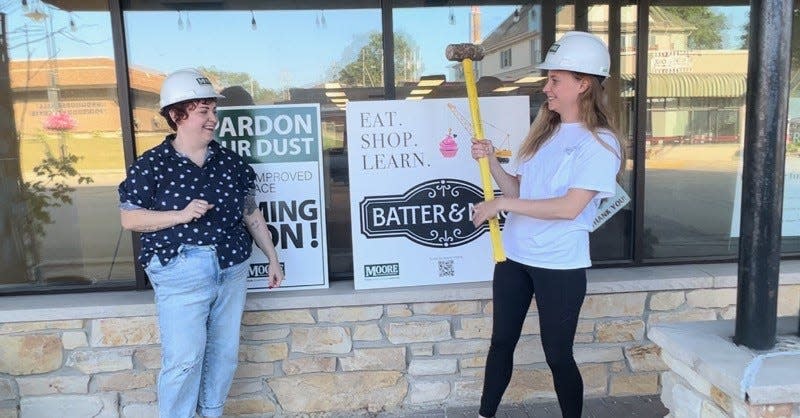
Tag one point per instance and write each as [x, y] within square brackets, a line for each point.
[569, 162]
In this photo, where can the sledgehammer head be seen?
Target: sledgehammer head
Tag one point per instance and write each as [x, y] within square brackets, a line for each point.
[460, 52]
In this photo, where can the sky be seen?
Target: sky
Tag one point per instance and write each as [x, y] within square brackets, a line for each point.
[286, 48]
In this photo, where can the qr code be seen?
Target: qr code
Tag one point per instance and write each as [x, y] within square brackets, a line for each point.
[446, 268]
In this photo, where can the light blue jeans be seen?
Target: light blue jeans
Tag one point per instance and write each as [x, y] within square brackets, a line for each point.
[199, 314]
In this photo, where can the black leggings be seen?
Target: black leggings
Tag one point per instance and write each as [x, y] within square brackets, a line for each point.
[559, 296]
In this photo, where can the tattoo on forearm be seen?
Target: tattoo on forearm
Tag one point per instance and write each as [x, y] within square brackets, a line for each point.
[250, 202]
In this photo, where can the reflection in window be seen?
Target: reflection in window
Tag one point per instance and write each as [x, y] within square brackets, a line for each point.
[63, 157]
[491, 26]
[333, 57]
[613, 239]
[505, 58]
[697, 73]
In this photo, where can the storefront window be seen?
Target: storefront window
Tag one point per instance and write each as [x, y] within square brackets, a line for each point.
[697, 75]
[62, 154]
[791, 182]
[320, 56]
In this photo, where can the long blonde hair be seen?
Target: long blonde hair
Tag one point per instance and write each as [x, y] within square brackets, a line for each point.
[593, 113]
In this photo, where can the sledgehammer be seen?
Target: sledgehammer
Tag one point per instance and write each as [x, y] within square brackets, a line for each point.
[467, 54]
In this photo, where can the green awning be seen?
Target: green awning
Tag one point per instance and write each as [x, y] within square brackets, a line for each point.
[689, 85]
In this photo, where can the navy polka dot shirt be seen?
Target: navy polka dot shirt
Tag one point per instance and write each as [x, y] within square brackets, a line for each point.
[163, 179]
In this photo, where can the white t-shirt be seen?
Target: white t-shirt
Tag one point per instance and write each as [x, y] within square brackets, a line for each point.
[571, 159]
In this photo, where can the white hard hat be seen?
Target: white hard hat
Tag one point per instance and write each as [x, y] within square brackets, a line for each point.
[186, 84]
[580, 52]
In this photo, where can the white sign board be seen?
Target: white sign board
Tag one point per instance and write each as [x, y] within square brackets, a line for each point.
[413, 183]
[283, 145]
[791, 199]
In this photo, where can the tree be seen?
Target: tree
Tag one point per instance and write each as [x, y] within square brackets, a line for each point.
[366, 68]
[708, 26]
[222, 79]
[794, 82]
[745, 37]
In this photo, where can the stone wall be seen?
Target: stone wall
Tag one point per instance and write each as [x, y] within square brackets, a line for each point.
[370, 357]
[711, 377]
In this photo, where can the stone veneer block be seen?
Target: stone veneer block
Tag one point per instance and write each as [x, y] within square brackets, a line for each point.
[417, 332]
[711, 298]
[138, 396]
[263, 353]
[398, 311]
[91, 362]
[7, 390]
[140, 410]
[108, 382]
[74, 339]
[425, 391]
[30, 354]
[446, 308]
[627, 304]
[309, 393]
[645, 358]
[250, 370]
[292, 316]
[309, 365]
[53, 385]
[529, 384]
[245, 388]
[706, 348]
[689, 315]
[252, 405]
[148, 357]
[787, 300]
[666, 301]
[356, 314]
[528, 351]
[12, 328]
[322, 340]
[367, 332]
[620, 331]
[595, 379]
[100, 405]
[427, 367]
[422, 349]
[637, 384]
[390, 358]
[593, 354]
[115, 332]
[463, 347]
[266, 335]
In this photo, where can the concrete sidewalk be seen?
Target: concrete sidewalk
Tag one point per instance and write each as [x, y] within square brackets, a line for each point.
[622, 407]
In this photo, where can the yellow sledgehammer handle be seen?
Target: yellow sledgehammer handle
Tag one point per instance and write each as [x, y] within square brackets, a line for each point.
[486, 176]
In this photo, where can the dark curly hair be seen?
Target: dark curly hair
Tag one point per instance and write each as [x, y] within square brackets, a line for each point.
[182, 110]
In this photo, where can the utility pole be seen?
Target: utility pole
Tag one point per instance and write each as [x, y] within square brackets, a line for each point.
[12, 248]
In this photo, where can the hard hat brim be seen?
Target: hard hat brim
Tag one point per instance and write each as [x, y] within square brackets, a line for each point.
[192, 98]
[546, 66]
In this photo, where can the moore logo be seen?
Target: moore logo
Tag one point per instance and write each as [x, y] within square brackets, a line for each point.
[259, 269]
[382, 270]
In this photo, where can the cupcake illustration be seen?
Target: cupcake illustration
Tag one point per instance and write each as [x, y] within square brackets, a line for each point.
[448, 147]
